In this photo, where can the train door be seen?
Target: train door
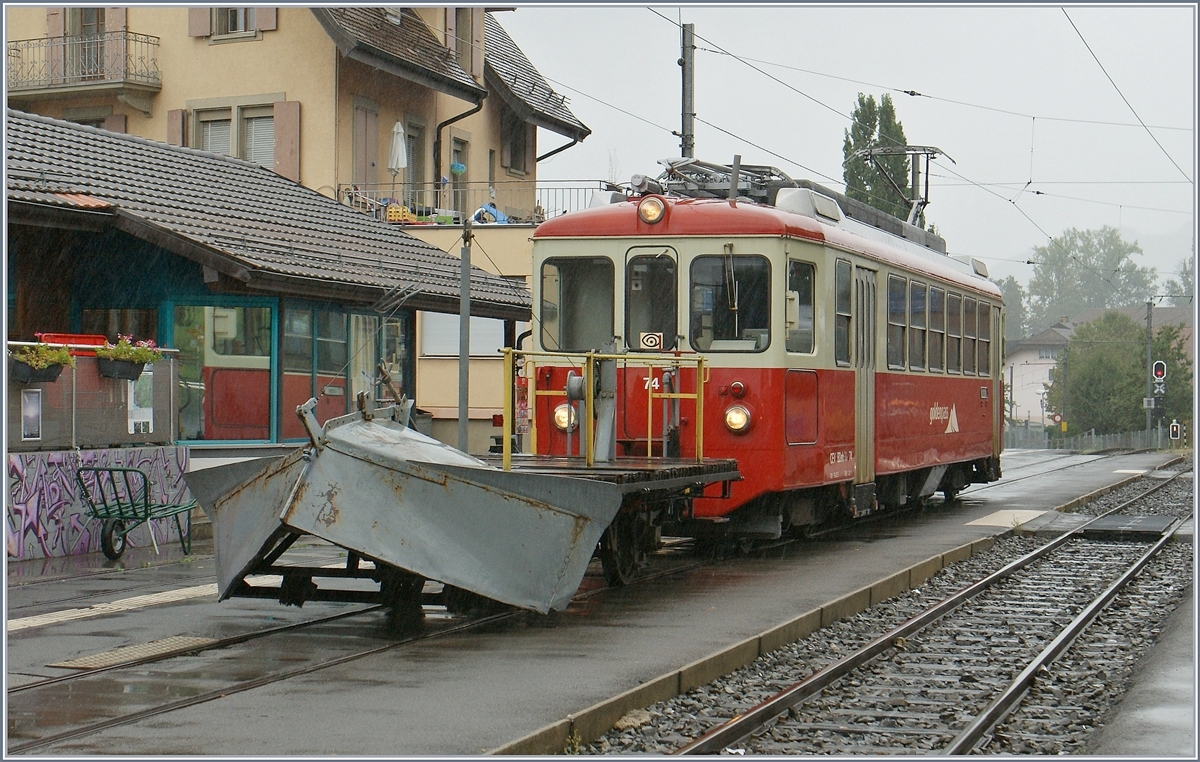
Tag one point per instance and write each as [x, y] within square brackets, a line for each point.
[864, 377]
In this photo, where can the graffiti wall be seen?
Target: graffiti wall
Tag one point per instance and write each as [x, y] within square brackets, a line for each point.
[45, 517]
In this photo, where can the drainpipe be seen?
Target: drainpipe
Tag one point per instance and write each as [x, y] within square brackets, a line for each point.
[437, 141]
[560, 149]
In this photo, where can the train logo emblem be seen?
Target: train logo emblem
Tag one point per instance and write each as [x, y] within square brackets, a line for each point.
[651, 340]
[947, 414]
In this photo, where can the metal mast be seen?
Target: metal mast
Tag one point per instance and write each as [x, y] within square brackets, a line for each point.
[687, 143]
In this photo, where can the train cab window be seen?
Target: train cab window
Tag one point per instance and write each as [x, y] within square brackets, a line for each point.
[954, 333]
[841, 312]
[799, 307]
[731, 303]
[937, 327]
[985, 339]
[651, 317]
[969, 336]
[897, 321]
[916, 325]
[577, 304]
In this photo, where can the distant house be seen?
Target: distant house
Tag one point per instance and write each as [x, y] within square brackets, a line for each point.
[1028, 362]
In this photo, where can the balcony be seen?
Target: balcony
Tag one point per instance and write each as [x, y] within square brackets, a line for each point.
[512, 203]
[121, 63]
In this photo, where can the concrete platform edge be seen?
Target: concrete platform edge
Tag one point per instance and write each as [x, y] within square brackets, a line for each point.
[593, 722]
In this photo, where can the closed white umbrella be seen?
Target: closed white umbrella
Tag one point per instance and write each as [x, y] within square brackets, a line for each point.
[398, 155]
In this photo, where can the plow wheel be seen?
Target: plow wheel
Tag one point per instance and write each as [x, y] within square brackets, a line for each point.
[400, 592]
[624, 547]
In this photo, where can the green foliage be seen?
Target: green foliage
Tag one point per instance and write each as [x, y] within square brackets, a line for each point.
[875, 125]
[1082, 269]
[1182, 288]
[40, 356]
[1103, 373]
[128, 349]
[1016, 316]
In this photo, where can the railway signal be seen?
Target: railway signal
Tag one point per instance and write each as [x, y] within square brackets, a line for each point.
[1175, 430]
[1159, 376]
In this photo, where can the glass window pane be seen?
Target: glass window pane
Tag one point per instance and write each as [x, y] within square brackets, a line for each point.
[225, 372]
[841, 307]
[800, 305]
[730, 303]
[897, 306]
[916, 322]
[577, 304]
[954, 333]
[937, 327]
[650, 300]
[331, 342]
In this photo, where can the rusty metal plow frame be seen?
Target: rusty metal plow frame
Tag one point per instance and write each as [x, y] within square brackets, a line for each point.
[588, 362]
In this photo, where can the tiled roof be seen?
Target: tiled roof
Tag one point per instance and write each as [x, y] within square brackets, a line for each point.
[407, 49]
[1162, 315]
[276, 235]
[513, 77]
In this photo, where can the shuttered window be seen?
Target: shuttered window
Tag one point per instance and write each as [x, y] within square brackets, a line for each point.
[258, 140]
[214, 135]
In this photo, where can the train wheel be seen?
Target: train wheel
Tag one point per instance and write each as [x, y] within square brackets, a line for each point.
[950, 495]
[112, 538]
[623, 547]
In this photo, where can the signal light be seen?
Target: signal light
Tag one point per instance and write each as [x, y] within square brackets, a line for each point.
[1175, 430]
[1160, 370]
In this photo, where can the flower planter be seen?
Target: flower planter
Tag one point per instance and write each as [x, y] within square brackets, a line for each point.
[26, 374]
[126, 369]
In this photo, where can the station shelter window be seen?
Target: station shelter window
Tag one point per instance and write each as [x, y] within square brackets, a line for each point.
[224, 372]
[730, 303]
[318, 359]
[651, 314]
[842, 273]
[954, 333]
[897, 320]
[577, 304]
[916, 325]
[969, 323]
[937, 327]
[800, 306]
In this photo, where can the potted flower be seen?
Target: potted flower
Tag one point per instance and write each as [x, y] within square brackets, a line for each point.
[38, 363]
[126, 358]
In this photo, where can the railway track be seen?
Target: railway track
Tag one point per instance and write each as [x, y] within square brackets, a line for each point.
[908, 678]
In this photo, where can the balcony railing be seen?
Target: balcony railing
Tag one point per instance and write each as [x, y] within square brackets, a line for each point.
[503, 202]
[118, 58]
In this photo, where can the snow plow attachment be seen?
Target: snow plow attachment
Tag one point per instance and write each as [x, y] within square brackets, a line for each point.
[391, 495]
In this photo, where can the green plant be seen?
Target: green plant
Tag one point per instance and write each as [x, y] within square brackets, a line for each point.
[39, 356]
[145, 351]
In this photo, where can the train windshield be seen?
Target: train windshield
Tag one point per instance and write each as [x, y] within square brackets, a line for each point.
[577, 304]
[731, 303]
[650, 289]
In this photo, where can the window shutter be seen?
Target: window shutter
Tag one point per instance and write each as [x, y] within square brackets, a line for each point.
[54, 22]
[259, 143]
[115, 122]
[199, 22]
[287, 139]
[114, 19]
[530, 147]
[265, 19]
[214, 136]
[175, 122]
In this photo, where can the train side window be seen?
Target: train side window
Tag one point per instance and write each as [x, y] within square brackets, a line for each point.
[954, 333]
[730, 305]
[916, 325]
[937, 327]
[799, 308]
[650, 288]
[577, 304]
[897, 321]
[841, 312]
[985, 339]
[969, 336]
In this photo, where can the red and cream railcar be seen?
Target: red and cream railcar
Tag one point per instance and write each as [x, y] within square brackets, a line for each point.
[849, 369]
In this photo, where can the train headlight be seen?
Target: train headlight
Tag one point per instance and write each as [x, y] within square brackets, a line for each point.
[737, 419]
[564, 417]
[651, 210]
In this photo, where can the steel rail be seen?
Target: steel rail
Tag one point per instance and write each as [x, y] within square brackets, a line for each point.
[739, 728]
[1012, 695]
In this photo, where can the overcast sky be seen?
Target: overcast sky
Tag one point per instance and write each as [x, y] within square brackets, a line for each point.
[1002, 87]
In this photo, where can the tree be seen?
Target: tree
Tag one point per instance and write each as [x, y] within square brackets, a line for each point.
[875, 125]
[1103, 375]
[1183, 287]
[1082, 269]
[1016, 317]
